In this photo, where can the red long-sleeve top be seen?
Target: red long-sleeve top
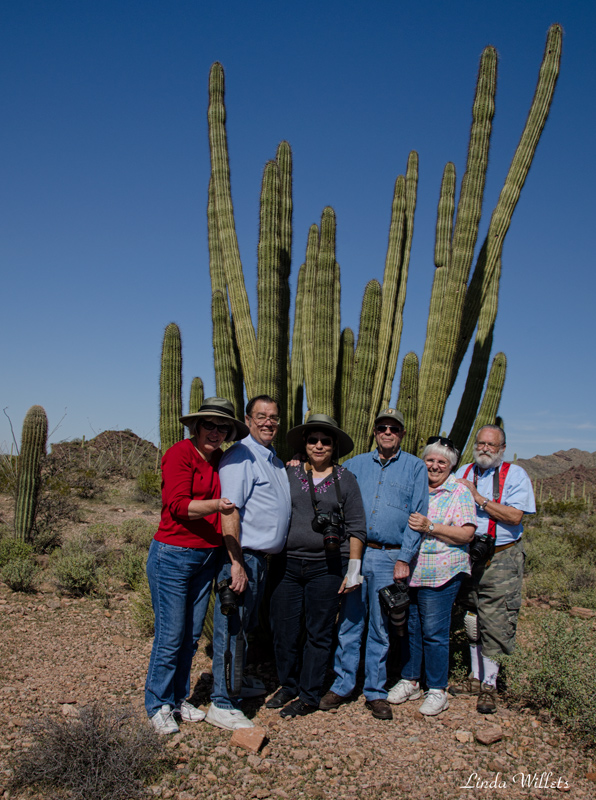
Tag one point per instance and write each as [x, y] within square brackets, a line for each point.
[186, 476]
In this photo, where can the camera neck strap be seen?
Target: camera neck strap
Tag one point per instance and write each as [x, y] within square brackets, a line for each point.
[313, 495]
[499, 476]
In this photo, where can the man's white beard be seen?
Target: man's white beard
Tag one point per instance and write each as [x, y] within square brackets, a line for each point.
[488, 460]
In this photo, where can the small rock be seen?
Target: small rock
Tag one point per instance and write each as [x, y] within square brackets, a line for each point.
[497, 765]
[253, 761]
[489, 734]
[301, 755]
[260, 794]
[591, 776]
[249, 738]
[464, 736]
[69, 710]
[582, 613]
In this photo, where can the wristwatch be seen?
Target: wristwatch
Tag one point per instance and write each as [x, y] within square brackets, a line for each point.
[482, 506]
[431, 527]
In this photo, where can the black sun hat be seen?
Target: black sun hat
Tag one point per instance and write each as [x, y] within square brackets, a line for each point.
[222, 408]
[320, 422]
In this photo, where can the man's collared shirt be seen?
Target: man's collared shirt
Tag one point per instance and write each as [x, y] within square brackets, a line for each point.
[391, 491]
[517, 493]
[255, 480]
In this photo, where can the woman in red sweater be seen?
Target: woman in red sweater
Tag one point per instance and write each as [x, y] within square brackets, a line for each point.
[183, 558]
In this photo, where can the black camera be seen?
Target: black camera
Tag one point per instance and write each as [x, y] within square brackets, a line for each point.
[331, 525]
[482, 549]
[227, 597]
[395, 601]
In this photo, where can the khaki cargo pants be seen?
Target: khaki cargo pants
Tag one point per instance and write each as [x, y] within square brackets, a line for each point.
[494, 593]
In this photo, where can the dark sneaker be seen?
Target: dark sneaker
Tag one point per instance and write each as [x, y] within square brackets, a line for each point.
[280, 698]
[487, 699]
[380, 709]
[331, 700]
[467, 688]
[297, 708]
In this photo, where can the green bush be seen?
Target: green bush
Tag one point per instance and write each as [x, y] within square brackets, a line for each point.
[75, 567]
[148, 486]
[139, 532]
[561, 676]
[130, 566]
[105, 753]
[142, 610]
[20, 574]
[13, 549]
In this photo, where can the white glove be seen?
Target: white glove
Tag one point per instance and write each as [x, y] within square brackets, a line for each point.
[353, 576]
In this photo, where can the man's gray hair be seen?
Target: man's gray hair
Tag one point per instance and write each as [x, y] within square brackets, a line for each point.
[492, 428]
[442, 450]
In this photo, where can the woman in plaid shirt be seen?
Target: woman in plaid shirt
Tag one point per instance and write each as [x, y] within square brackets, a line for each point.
[442, 562]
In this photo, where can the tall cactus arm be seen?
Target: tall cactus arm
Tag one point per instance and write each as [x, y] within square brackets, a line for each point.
[345, 369]
[487, 414]
[220, 172]
[407, 400]
[216, 267]
[196, 395]
[33, 448]
[326, 343]
[297, 362]
[308, 312]
[171, 430]
[227, 383]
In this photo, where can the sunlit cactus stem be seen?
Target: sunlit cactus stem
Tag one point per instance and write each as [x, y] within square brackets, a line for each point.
[33, 448]
[487, 414]
[407, 400]
[196, 395]
[171, 430]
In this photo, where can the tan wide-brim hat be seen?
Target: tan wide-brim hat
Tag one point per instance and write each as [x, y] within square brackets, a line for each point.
[223, 409]
[320, 422]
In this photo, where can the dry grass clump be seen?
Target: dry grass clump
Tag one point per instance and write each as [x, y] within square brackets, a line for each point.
[104, 754]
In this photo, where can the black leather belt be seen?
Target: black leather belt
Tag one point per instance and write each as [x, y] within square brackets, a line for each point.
[377, 546]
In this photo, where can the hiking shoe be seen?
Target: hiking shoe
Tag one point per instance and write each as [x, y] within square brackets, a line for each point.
[471, 686]
[280, 698]
[380, 709]
[404, 690]
[487, 699]
[189, 713]
[331, 700]
[228, 718]
[297, 708]
[252, 687]
[164, 722]
[436, 700]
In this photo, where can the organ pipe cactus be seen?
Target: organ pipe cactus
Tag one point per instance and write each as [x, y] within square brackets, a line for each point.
[33, 448]
[171, 430]
[196, 395]
[487, 414]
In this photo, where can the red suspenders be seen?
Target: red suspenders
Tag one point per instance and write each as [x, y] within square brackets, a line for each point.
[498, 484]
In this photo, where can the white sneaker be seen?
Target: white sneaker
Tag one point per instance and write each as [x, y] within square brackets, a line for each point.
[228, 718]
[164, 722]
[437, 700]
[252, 687]
[189, 713]
[404, 690]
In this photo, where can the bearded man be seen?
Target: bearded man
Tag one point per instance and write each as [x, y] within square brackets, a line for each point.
[503, 494]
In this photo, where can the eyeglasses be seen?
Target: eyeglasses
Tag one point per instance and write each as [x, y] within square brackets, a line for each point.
[211, 426]
[489, 445]
[440, 440]
[261, 419]
[392, 428]
[326, 441]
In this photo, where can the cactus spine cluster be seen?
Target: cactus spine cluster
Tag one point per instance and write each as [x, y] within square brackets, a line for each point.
[322, 364]
[33, 448]
[171, 430]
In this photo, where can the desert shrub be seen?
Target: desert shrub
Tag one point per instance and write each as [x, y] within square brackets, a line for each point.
[12, 549]
[20, 574]
[139, 532]
[53, 511]
[105, 753]
[97, 534]
[8, 473]
[130, 566]
[148, 487]
[142, 610]
[552, 668]
[76, 566]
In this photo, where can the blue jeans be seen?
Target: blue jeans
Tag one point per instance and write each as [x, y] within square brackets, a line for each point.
[311, 587]
[377, 570]
[255, 565]
[180, 582]
[429, 623]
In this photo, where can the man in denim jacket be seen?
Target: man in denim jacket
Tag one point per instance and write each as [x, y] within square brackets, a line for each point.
[393, 484]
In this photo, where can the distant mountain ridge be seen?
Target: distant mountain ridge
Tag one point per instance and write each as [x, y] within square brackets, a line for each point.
[561, 473]
[561, 461]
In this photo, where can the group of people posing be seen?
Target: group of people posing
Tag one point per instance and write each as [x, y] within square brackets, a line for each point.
[336, 540]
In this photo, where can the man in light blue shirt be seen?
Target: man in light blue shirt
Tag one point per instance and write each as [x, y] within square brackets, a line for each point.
[393, 485]
[503, 494]
[255, 480]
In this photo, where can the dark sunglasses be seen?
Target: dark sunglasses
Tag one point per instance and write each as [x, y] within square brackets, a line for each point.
[392, 428]
[326, 441]
[441, 440]
[211, 426]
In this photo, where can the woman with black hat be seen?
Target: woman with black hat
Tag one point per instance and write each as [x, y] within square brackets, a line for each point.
[183, 558]
[321, 561]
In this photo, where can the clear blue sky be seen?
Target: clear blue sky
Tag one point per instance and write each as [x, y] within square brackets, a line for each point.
[105, 164]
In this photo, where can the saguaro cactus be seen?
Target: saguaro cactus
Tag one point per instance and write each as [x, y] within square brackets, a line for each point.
[171, 430]
[33, 448]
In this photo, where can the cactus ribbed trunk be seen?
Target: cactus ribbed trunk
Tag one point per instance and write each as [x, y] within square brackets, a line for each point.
[308, 313]
[196, 395]
[33, 447]
[407, 400]
[171, 430]
[228, 382]
[345, 370]
[297, 359]
[487, 414]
